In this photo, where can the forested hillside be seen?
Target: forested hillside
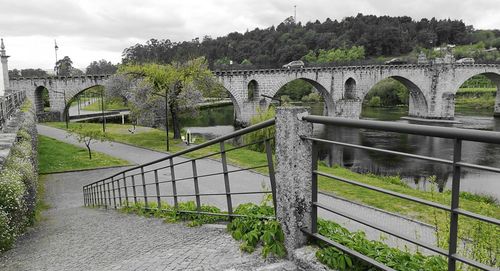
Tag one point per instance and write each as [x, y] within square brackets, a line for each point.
[375, 36]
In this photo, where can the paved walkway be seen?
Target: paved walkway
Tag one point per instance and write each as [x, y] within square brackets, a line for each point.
[72, 237]
[76, 238]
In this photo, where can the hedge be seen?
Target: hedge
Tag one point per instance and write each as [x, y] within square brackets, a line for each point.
[18, 184]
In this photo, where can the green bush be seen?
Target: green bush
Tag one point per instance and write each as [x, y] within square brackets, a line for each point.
[374, 101]
[312, 97]
[7, 236]
[391, 257]
[261, 134]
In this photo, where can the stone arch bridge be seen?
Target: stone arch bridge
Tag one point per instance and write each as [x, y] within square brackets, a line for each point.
[432, 88]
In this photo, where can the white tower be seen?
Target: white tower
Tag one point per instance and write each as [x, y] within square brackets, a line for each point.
[4, 71]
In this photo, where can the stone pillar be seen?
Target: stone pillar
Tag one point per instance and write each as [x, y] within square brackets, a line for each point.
[497, 103]
[4, 71]
[293, 174]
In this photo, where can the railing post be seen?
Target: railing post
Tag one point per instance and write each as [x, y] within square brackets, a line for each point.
[226, 180]
[455, 196]
[314, 188]
[293, 175]
[196, 186]
[109, 197]
[133, 189]
[119, 192]
[144, 192]
[158, 198]
[125, 188]
[270, 167]
[174, 187]
[114, 194]
[101, 188]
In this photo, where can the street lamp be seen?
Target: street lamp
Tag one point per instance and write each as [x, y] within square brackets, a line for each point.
[102, 110]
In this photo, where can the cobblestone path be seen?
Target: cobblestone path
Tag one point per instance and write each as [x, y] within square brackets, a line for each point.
[72, 237]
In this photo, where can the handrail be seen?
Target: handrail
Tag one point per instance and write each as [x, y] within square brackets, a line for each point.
[249, 129]
[416, 129]
[458, 135]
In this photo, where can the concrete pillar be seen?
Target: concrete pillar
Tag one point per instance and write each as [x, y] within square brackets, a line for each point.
[497, 103]
[293, 174]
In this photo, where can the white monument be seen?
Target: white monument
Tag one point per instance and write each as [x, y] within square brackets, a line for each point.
[4, 70]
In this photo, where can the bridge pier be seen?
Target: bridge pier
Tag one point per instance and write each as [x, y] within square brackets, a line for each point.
[496, 113]
[348, 108]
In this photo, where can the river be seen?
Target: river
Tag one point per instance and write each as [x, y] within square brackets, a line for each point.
[213, 122]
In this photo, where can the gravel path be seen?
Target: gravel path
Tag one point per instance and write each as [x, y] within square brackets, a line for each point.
[75, 238]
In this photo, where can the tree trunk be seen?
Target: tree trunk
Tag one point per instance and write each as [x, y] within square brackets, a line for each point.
[90, 153]
[175, 123]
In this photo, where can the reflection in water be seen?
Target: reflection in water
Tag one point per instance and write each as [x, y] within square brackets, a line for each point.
[214, 122]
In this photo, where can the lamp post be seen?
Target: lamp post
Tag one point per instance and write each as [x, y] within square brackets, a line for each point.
[102, 110]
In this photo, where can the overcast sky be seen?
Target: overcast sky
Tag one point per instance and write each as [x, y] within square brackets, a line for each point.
[88, 30]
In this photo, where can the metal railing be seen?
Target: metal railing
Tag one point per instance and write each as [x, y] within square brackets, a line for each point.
[165, 179]
[8, 105]
[458, 135]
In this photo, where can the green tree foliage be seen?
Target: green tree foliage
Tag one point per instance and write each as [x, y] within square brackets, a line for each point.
[184, 83]
[101, 67]
[27, 73]
[336, 55]
[290, 40]
[64, 66]
[87, 136]
[295, 90]
[390, 92]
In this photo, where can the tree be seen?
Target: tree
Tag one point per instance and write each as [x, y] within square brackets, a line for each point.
[87, 136]
[64, 66]
[15, 73]
[184, 84]
[101, 67]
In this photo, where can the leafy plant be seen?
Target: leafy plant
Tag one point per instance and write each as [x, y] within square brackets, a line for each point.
[87, 136]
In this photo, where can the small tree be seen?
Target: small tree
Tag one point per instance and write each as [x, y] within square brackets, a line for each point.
[87, 136]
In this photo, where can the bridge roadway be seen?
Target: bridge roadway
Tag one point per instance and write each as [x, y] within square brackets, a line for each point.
[71, 237]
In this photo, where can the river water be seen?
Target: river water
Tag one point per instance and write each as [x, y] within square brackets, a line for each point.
[214, 122]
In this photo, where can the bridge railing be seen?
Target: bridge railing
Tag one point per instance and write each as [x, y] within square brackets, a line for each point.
[166, 180]
[8, 105]
[457, 135]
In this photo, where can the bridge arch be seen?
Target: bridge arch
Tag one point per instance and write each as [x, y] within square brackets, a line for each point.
[322, 90]
[417, 104]
[72, 96]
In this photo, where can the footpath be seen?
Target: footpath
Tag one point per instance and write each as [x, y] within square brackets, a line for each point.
[72, 237]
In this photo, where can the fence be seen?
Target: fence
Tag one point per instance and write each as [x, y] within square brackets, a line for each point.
[8, 105]
[166, 180]
[458, 135]
[295, 186]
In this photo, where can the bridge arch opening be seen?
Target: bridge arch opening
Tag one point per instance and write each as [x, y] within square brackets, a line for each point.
[308, 92]
[87, 102]
[42, 99]
[253, 91]
[350, 89]
[478, 94]
[394, 97]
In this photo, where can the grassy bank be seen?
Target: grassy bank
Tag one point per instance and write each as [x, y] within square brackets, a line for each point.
[57, 156]
[476, 98]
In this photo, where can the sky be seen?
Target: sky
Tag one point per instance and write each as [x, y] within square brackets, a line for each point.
[88, 30]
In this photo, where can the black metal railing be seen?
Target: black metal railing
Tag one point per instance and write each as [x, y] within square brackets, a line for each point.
[9, 104]
[167, 179]
[458, 135]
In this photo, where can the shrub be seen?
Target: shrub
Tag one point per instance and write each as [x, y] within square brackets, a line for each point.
[374, 101]
[312, 97]
[7, 236]
[261, 134]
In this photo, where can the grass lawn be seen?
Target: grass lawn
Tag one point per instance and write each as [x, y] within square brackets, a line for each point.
[56, 156]
[155, 139]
